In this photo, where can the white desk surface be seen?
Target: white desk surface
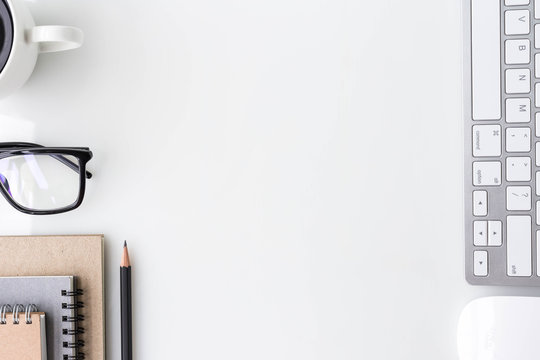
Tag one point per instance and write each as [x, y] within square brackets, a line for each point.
[288, 173]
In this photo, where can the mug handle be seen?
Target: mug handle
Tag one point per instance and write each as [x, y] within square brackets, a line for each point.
[51, 38]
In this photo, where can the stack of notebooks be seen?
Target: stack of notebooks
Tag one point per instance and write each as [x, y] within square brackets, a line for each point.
[52, 298]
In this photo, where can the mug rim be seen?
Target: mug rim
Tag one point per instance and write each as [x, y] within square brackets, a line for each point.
[23, 55]
[8, 27]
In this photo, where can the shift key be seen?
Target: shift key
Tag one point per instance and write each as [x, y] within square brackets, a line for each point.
[518, 245]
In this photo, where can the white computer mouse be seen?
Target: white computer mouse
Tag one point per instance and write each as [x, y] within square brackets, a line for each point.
[501, 328]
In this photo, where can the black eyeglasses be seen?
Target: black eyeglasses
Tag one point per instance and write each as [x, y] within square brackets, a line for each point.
[41, 180]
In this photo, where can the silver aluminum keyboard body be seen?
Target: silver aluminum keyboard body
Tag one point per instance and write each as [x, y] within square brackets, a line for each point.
[499, 248]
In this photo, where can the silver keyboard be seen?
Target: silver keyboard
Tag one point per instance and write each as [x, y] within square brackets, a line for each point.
[502, 141]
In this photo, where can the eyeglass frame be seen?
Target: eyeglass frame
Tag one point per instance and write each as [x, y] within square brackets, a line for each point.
[83, 154]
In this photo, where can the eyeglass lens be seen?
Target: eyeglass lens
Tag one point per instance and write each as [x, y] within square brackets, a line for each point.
[40, 181]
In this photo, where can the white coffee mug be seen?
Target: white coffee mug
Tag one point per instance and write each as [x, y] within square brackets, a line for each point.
[21, 41]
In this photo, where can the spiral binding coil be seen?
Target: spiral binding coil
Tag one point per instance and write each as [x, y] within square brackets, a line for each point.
[74, 319]
[79, 356]
[77, 292]
[27, 313]
[79, 330]
[77, 305]
[3, 310]
[77, 344]
[16, 310]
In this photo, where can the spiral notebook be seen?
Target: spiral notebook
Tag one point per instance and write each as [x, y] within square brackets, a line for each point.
[22, 338]
[77, 255]
[57, 296]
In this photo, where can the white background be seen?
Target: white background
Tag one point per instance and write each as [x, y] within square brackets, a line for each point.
[288, 173]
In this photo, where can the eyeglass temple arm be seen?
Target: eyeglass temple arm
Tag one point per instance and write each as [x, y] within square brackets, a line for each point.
[60, 158]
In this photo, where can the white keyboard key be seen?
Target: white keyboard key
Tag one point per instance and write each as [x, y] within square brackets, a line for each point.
[518, 81]
[480, 203]
[538, 183]
[516, 22]
[518, 168]
[480, 235]
[480, 259]
[494, 233]
[537, 65]
[516, 2]
[518, 245]
[486, 173]
[537, 154]
[518, 139]
[486, 60]
[537, 124]
[517, 51]
[518, 198]
[538, 213]
[486, 140]
[537, 9]
[518, 110]
[537, 94]
[538, 252]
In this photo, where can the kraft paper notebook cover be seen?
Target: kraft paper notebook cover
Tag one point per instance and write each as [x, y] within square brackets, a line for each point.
[78, 255]
[58, 297]
[23, 341]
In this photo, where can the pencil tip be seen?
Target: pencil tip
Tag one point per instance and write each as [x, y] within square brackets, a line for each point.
[125, 256]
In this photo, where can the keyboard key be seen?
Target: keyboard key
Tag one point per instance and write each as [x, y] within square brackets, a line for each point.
[537, 154]
[480, 229]
[518, 139]
[480, 259]
[486, 60]
[537, 213]
[518, 245]
[516, 2]
[517, 51]
[486, 173]
[538, 183]
[518, 168]
[537, 9]
[480, 203]
[494, 233]
[518, 81]
[518, 110]
[518, 198]
[516, 22]
[538, 252]
[486, 140]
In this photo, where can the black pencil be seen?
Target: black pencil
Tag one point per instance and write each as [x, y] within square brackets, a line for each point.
[125, 302]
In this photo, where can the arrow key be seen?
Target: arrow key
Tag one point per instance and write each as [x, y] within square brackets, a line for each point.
[480, 203]
[480, 259]
[480, 229]
[494, 233]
